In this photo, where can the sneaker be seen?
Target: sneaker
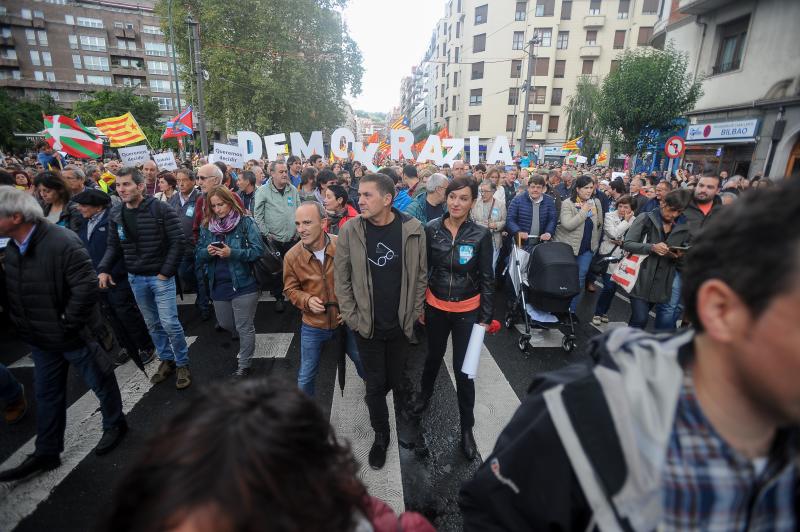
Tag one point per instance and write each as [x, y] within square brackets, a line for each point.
[121, 357]
[165, 369]
[604, 318]
[14, 412]
[32, 465]
[147, 355]
[280, 306]
[111, 438]
[377, 454]
[184, 378]
[597, 320]
[241, 373]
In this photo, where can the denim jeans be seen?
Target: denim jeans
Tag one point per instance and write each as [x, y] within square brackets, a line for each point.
[236, 316]
[584, 261]
[640, 313]
[129, 328]
[159, 306]
[606, 296]
[50, 383]
[311, 340]
[10, 388]
[667, 314]
[193, 277]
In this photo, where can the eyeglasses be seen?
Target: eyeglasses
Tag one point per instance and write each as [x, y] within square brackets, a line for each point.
[485, 191]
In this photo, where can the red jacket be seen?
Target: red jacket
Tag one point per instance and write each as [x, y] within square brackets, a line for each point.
[349, 213]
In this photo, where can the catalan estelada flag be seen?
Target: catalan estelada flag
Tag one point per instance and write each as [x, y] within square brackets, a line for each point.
[603, 157]
[401, 123]
[121, 130]
[573, 145]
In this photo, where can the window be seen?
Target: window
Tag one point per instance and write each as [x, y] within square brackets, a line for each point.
[481, 13]
[645, 34]
[446, 105]
[545, 8]
[479, 43]
[591, 37]
[50, 76]
[35, 60]
[90, 22]
[516, 68]
[477, 70]
[538, 95]
[545, 36]
[164, 104]
[9, 74]
[457, 56]
[552, 124]
[624, 9]
[513, 96]
[126, 44]
[559, 70]
[158, 67]
[76, 61]
[55, 95]
[475, 97]
[731, 45]
[619, 39]
[447, 81]
[563, 40]
[30, 36]
[98, 80]
[73, 42]
[519, 12]
[119, 25]
[594, 7]
[69, 20]
[649, 7]
[131, 82]
[152, 30]
[79, 78]
[455, 79]
[448, 57]
[95, 44]
[454, 102]
[511, 122]
[93, 62]
[155, 48]
[38, 75]
[46, 59]
[5, 32]
[8, 53]
[26, 14]
[542, 66]
[159, 85]
[535, 122]
[441, 109]
[519, 40]
[474, 123]
[56, 2]
[588, 67]
[566, 10]
[555, 97]
[614, 65]
[37, 14]
[42, 37]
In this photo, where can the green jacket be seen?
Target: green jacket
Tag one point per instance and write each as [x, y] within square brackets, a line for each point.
[274, 212]
[353, 282]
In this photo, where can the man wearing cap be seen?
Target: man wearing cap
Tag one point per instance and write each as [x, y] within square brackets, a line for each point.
[117, 301]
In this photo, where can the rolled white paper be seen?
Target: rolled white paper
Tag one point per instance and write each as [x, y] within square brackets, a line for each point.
[473, 355]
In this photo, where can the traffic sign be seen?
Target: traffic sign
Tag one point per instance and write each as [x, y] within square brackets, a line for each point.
[675, 147]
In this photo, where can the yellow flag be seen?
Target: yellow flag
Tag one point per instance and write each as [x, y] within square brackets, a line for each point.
[121, 130]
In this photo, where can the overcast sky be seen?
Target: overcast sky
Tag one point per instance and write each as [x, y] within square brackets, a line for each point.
[379, 26]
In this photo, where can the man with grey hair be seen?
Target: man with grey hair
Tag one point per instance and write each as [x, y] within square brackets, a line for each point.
[459, 169]
[75, 178]
[276, 203]
[430, 204]
[150, 172]
[52, 294]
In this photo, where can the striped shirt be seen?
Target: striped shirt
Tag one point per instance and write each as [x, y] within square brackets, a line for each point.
[707, 485]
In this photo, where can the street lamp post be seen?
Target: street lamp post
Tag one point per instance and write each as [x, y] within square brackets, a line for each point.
[174, 60]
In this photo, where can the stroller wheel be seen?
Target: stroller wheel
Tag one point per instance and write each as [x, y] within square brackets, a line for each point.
[568, 344]
[509, 322]
[523, 343]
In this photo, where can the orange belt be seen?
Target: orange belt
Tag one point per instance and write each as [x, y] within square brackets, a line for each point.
[452, 306]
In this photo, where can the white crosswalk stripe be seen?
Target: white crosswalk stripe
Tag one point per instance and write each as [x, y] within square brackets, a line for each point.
[189, 299]
[24, 362]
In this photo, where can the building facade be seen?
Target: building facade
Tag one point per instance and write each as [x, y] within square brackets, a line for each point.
[480, 58]
[68, 48]
[746, 53]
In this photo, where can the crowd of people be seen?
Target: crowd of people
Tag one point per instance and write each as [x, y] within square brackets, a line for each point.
[372, 259]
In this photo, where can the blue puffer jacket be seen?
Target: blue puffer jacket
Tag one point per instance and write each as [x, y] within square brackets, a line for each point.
[242, 253]
[520, 212]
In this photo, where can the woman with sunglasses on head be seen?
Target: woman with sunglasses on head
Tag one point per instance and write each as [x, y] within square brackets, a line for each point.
[460, 294]
[229, 243]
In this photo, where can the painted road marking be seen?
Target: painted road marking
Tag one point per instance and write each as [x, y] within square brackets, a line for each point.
[24, 362]
[350, 419]
[189, 299]
[272, 345]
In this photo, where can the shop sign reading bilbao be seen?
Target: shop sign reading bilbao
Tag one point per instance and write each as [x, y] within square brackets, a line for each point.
[740, 129]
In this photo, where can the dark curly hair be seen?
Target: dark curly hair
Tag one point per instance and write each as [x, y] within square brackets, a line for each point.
[255, 456]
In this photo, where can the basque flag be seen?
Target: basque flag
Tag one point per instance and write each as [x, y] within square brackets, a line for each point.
[180, 126]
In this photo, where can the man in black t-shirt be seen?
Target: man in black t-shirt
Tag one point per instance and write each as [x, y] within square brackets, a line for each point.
[380, 280]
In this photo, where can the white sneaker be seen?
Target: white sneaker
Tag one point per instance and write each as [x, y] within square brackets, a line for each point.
[596, 320]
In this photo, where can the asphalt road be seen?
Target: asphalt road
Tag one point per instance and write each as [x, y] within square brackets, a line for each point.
[426, 478]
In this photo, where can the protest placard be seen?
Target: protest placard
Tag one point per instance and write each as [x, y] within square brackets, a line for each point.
[165, 160]
[134, 155]
[230, 155]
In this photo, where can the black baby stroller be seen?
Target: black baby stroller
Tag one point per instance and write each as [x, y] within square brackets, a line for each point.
[546, 276]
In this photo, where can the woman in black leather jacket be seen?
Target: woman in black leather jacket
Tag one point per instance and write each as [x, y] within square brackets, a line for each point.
[460, 294]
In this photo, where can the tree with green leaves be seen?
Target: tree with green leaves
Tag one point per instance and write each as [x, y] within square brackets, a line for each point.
[646, 95]
[19, 115]
[108, 103]
[582, 111]
[273, 65]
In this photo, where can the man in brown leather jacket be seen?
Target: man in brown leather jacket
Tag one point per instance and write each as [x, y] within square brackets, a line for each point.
[308, 284]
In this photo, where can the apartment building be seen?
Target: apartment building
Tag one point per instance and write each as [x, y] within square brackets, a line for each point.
[481, 54]
[68, 48]
[746, 53]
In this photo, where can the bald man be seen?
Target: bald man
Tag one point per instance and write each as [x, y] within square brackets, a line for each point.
[150, 172]
[459, 169]
[313, 293]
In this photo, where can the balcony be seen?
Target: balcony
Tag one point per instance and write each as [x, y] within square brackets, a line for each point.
[7, 41]
[6, 62]
[590, 51]
[594, 21]
[124, 33]
[701, 7]
[128, 71]
[138, 53]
